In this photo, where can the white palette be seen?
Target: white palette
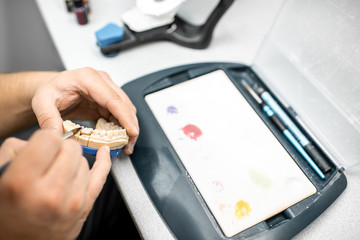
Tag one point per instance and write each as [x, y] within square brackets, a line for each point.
[242, 171]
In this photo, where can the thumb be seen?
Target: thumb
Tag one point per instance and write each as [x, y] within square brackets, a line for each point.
[99, 172]
[47, 114]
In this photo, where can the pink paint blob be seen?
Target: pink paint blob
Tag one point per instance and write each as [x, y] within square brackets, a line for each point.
[192, 131]
[217, 186]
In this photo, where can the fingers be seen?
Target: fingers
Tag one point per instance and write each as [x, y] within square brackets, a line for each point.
[49, 180]
[70, 172]
[71, 90]
[67, 163]
[79, 200]
[46, 111]
[129, 148]
[111, 97]
[99, 172]
[116, 101]
[10, 149]
[87, 185]
[124, 115]
[107, 78]
[130, 120]
[37, 156]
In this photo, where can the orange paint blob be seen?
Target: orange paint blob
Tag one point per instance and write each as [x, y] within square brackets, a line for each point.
[242, 209]
[221, 207]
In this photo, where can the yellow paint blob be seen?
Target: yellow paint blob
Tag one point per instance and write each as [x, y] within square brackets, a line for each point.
[242, 209]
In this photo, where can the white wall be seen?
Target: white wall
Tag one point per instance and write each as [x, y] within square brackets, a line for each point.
[3, 38]
[25, 43]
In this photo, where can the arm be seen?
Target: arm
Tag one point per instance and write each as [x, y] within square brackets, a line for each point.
[17, 90]
[83, 94]
[48, 190]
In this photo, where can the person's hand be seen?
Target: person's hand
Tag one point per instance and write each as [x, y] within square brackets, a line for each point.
[48, 190]
[85, 94]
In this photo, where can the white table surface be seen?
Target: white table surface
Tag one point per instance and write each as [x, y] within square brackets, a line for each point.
[236, 38]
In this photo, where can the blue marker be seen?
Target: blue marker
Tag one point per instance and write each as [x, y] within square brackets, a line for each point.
[281, 126]
[305, 143]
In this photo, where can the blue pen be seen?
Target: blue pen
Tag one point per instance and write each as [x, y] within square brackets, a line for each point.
[281, 126]
[306, 144]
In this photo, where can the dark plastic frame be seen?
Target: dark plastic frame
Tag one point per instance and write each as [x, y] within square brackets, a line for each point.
[171, 189]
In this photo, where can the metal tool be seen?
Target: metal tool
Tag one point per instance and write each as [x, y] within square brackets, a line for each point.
[71, 133]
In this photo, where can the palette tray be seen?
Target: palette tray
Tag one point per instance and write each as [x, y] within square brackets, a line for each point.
[214, 164]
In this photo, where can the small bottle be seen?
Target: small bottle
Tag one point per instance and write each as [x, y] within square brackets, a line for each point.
[80, 11]
[69, 5]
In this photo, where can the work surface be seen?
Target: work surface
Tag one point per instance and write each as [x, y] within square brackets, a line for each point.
[236, 39]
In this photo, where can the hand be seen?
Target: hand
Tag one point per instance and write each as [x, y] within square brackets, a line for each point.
[48, 190]
[85, 94]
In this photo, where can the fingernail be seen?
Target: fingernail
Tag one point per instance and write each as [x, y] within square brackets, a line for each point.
[130, 148]
[107, 148]
[136, 130]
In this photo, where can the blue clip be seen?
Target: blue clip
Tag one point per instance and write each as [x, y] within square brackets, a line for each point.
[109, 34]
[93, 151]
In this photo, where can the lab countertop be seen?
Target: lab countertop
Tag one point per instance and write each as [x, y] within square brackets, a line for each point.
[236, 38]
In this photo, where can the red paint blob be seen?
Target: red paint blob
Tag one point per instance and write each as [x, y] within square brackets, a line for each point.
[192, 131]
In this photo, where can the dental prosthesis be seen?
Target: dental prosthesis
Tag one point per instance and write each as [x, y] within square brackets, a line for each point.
[105, 134]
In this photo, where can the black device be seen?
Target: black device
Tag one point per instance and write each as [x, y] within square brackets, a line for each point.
[172, 190]
[179, 31]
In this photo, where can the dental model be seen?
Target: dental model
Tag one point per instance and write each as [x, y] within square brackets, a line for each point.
[105, 134]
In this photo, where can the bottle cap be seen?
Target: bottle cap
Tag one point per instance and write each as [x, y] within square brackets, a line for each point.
[78, 3]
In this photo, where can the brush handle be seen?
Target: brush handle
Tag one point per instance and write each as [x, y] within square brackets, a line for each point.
[4, 167]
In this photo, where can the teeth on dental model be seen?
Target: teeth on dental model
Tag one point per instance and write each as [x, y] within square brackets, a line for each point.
[68, 126]
[105, 133]
[86, 131]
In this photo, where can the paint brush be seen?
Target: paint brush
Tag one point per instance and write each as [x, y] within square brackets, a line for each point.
[283, 128]
[64, 136]
[305, 143]
[71, 132]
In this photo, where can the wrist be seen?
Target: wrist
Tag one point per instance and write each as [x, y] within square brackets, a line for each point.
[34, 81]
[15, 102]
